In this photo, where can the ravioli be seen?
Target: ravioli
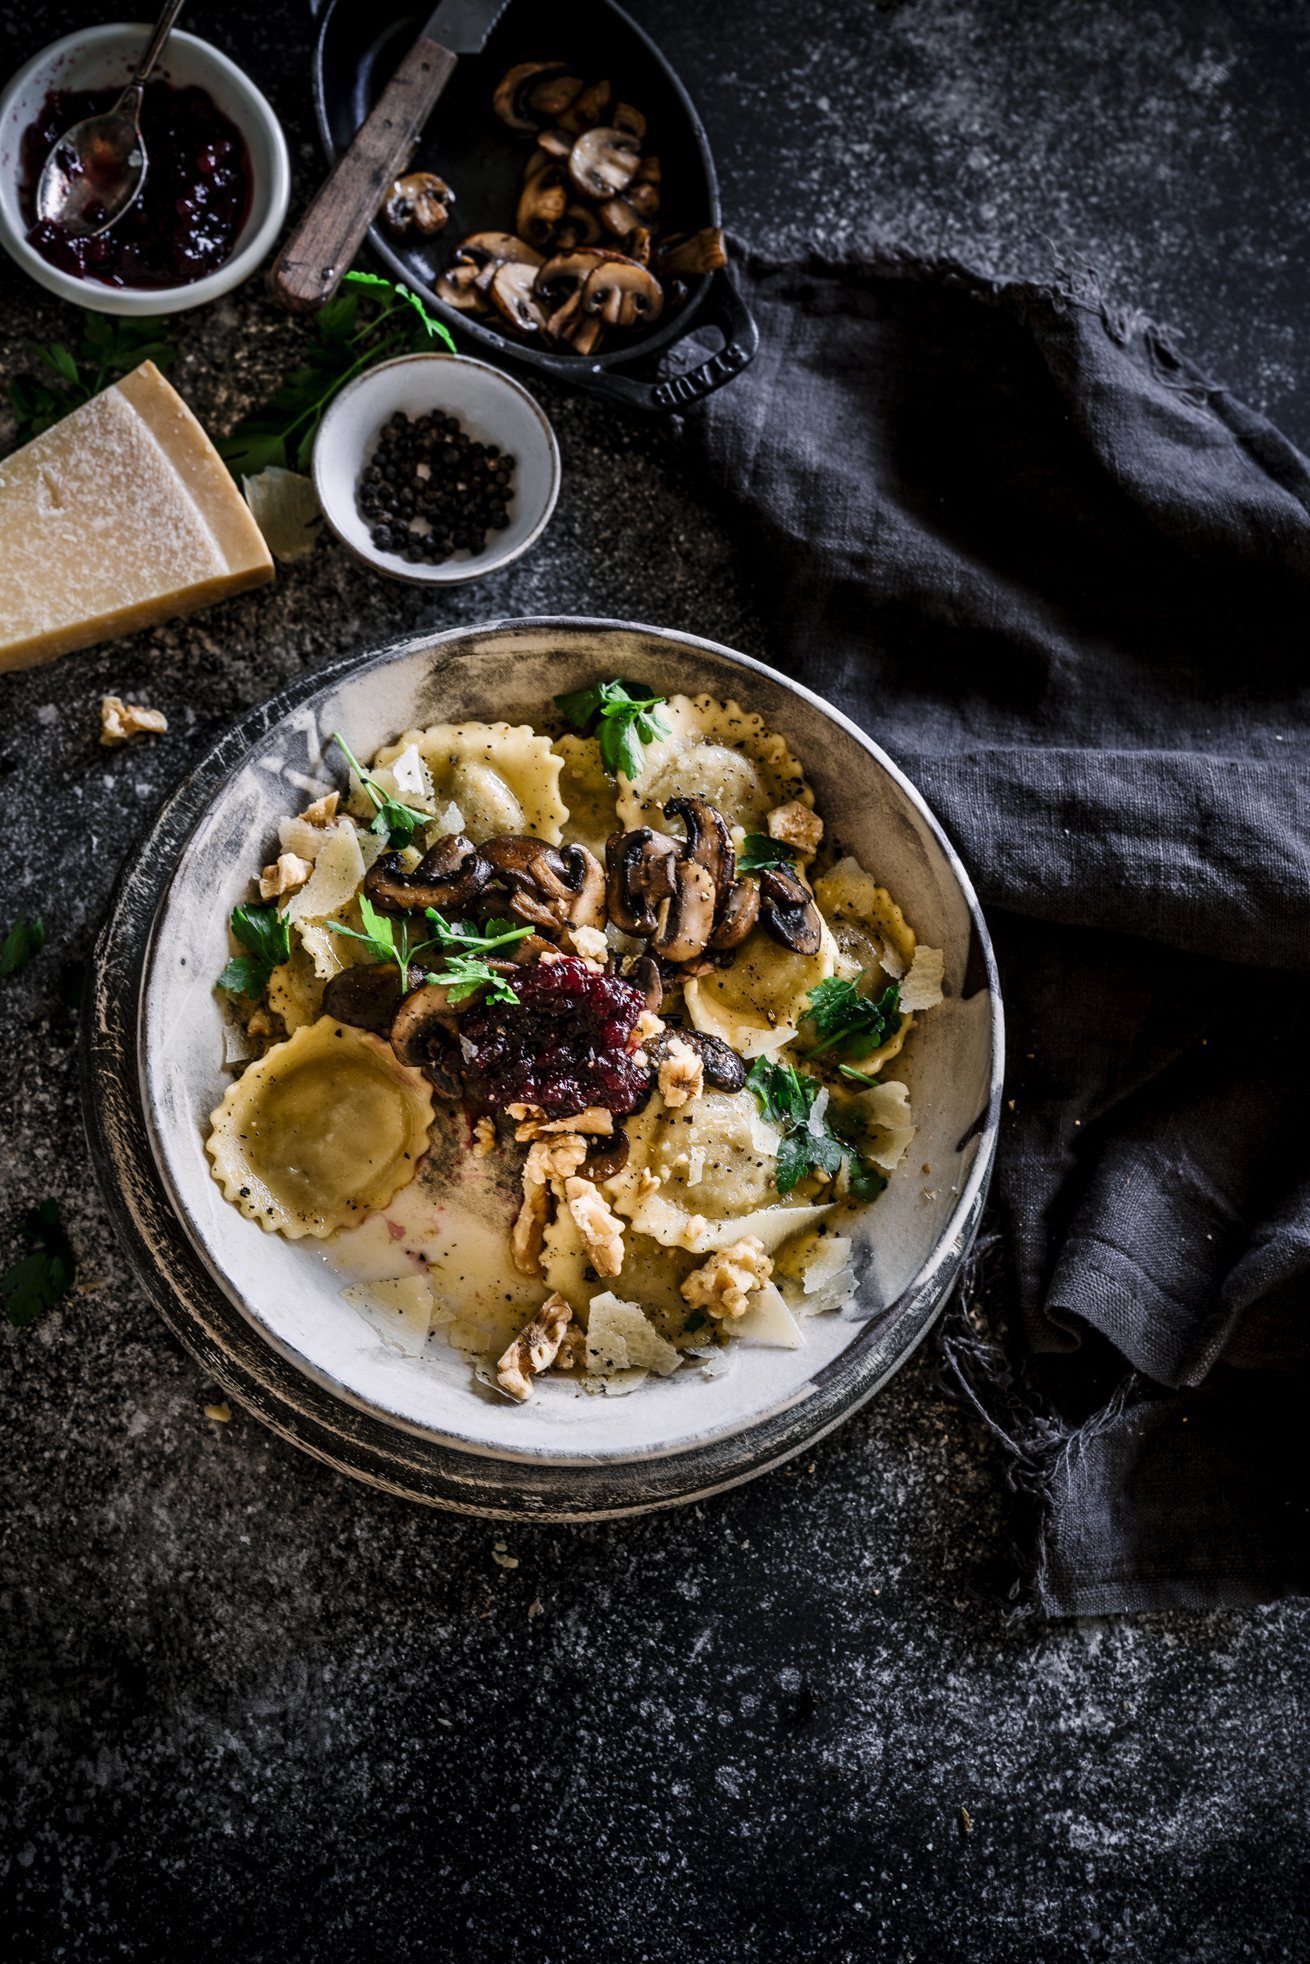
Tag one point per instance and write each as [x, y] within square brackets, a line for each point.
[588, 793]
[720, 752]
[503, 777]
[325, 1129]
[757, 1005]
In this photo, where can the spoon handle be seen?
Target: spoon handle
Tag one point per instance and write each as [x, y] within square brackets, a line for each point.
[313, 262]
[155, 46]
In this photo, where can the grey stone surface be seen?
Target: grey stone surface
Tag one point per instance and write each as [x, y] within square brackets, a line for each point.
[253, 1711]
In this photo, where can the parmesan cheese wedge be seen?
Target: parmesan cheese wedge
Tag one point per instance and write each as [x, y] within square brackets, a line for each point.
[118, 517]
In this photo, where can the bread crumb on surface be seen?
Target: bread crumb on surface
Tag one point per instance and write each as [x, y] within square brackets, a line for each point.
[725, 1283]
[681, 1073]
[288, 872]
[120, 721]
[534, 1349]
[796, 825]
[220, 1413]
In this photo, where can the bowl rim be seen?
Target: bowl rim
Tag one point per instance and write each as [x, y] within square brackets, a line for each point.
[92, 295]
[463, 574]
[360, 1441]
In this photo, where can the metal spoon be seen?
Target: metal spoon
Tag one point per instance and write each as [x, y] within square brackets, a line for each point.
[96, 170]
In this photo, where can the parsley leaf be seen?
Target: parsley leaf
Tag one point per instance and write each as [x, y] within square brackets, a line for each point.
[463, 975]
[268, 937]
[370, 320]
[24, 939]
[841, 1014]
[622, 717]
[759, 851]
[397, 822]
[40, 1279]
[464, 968]
[107, 349]
[379, 935]
[807, 1145]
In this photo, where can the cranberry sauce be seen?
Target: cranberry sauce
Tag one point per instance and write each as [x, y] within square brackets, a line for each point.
[564, 1045]
[192, 206]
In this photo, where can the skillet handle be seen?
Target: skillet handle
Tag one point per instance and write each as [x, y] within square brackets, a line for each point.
[723, 308]
[314, 260]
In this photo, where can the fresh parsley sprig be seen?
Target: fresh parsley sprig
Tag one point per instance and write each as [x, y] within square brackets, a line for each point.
[396, 822]
[464, 968]
[621, 715]
[43, 1276]
[268, 937]
[106, 349]
[24, 940]
[809, 1143]
[385, 939]
[842, 1015]
[759, 852]
[370, 320]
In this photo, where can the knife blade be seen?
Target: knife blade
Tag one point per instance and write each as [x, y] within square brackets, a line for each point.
[315, 259]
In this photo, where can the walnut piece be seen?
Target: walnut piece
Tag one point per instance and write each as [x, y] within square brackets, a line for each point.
[529, 1229]
[597, 1223]
[323, 810]
[572, 1353]
[682, 1073]
[535, 1125]
[484, 1138]
[796, 825]
[725, 1283]
[120, 720]
[553, 1159]
[535, 1348]
[287, 873]
[590, 943]
[649, 1025]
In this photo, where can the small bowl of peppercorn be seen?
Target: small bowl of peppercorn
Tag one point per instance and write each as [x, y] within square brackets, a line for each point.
[436, 469]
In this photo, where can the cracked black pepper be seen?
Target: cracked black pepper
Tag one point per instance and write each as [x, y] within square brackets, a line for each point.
[430, 491]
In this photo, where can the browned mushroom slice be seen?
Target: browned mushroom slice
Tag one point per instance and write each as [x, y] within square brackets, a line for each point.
[606, 1158]
[631, 121]
[552, 95]
[419, 200]
[578, 227]
[788, 911]
[724, 1069]
[737, 916]
[447, 876]
[543, 200]
[644, 199]
[588, 107]
[523, 93]
[555, 143]
[549, 885]
[458, 289]
[618, 218]
[422, 1036]
[639, 245]
[603, 162]
[701, 252]
[709, 841]
[560, 284]
[644, 974]
[366, 998]
[477, 257]
[642, 876]
[624, 294]
[687, 920]
[512, 290]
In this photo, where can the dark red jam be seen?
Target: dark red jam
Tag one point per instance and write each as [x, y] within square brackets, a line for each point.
[193, 204]
[566, 1044]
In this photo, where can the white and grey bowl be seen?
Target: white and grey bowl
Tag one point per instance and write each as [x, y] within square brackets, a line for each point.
[266, 1317]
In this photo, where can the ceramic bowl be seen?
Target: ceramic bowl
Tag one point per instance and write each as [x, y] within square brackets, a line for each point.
[490, 407]
[266, 1316]
[99, 57]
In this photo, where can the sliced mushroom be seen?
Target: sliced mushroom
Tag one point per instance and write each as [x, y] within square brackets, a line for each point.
[645, 975]
[631, 121]
[639, 244]
[366, 998]
[513, 290]
[709, 841]
[723, 1068]
[642, 876]
[555, 143]
[606, 1158]
[588, 107]
[457, 289]
[549, 886]
[787, 909]
[447, 876]
[476, 261]
[542, 201]
[644, 199]
[623, 293]
[578, 227]
[420, 200]
[553, 94]
[618, 218]
[422, 1038]
[583, 332]
[737, 916]
[517, 98]
[699, 252]
[687, 919]
[603, 162]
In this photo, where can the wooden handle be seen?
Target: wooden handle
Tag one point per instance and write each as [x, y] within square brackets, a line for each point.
[316, 257]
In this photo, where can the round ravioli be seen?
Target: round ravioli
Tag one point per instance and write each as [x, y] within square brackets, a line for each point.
[588, 793]
[720, 752]
[503, 777]
[324, 1130]
[756, 1005]
[872, 936]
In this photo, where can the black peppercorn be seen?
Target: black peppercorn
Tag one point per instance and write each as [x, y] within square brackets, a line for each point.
[429, 489]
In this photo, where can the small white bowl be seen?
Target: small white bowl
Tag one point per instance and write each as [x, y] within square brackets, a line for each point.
[100, 57]
[489, 407]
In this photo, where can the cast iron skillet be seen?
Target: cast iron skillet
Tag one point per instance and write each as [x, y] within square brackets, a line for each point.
[358, 46]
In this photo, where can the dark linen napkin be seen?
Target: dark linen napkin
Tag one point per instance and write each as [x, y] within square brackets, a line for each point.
[1065, 581]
